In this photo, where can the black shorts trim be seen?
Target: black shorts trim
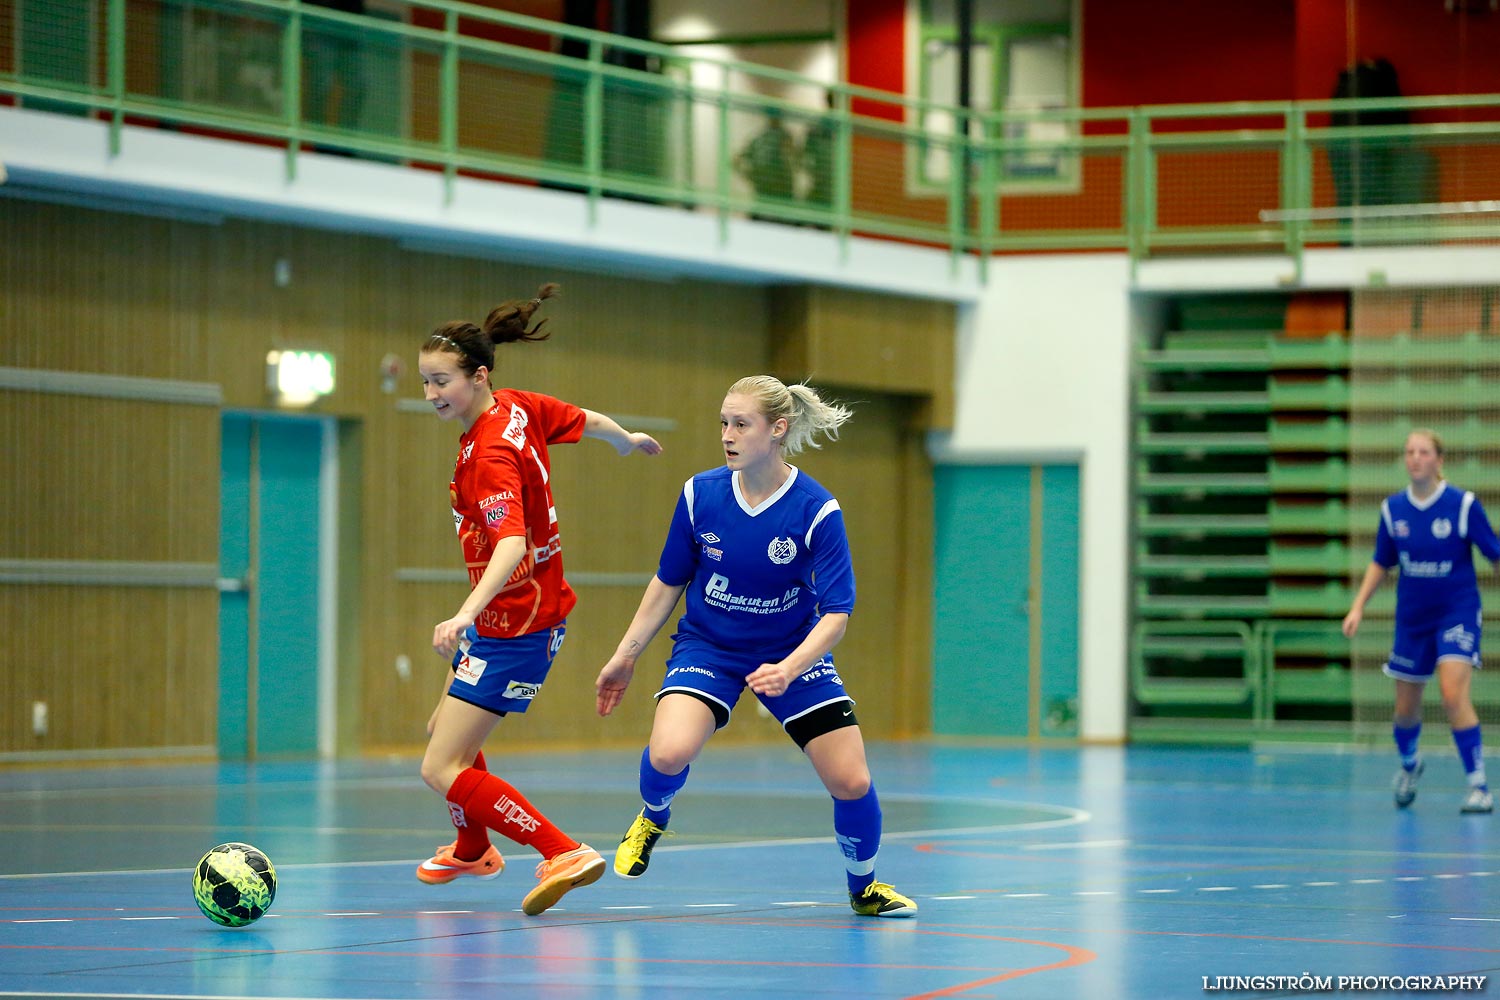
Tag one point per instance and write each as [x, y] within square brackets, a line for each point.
[821, 720]
[721, 714]
[476, 704]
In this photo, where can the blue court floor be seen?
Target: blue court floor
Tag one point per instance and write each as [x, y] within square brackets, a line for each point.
[1044, 873]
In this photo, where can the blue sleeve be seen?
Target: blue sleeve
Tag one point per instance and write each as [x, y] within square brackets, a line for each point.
[1385, 547]
[1481, 534]
[833, 571]
[679, 554]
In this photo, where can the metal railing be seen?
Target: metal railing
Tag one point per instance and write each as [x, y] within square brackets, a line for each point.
[469, 91]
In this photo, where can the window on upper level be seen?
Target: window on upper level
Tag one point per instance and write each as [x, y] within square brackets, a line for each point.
[1022, 58]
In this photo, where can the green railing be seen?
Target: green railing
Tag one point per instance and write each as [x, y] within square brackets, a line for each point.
[469, 91]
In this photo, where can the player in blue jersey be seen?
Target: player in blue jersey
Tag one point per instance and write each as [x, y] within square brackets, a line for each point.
[1428, 529]
[759, 548]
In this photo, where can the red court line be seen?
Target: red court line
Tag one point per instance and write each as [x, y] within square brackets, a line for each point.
[1076, 956]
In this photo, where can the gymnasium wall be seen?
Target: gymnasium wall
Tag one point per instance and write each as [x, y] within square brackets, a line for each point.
[1271, 50]
[1043, 376]
[196, 300]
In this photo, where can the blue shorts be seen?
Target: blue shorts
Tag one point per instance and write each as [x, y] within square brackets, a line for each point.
[504, 675]
[718, 677]
[1417, 649]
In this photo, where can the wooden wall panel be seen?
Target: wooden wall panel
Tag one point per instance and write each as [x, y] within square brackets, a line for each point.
[108, 479]
[880, 342]
[119, 667]
[198, 301]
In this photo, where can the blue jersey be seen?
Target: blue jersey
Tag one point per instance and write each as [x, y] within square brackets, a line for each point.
[757, 578]
[1430, 540]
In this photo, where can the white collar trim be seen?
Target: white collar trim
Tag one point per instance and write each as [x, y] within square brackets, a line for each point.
[768, 502]
[1424, 504]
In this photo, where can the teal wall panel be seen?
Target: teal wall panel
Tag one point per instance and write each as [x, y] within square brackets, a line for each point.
[980, 627]
[1006, 548]
[1059, 600]
[271, 469]
[290, 467]
[234, 606]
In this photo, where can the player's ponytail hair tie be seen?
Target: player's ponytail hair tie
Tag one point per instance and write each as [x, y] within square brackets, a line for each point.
[508, 322]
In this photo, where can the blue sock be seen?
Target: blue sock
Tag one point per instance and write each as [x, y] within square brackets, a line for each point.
[1471, 752]
[657, 789]
[1406, 743]
[856, 824]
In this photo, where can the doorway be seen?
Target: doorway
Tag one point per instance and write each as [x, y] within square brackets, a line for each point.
[277, 568]
[1005, 632]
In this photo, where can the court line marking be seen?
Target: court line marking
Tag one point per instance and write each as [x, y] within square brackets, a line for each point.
[166, 996]
[1060, 893]
[1076, 843]
[1072, 817]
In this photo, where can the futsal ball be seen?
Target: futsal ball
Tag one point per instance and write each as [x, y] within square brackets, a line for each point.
[234, 884]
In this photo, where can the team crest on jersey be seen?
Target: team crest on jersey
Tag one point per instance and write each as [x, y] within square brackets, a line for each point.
[782, 550]
[1442, 528]
[1403, 530]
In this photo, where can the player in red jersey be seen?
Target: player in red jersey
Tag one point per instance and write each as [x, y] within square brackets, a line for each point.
[506, 633]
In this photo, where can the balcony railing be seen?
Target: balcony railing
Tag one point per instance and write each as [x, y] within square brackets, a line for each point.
[465, 90]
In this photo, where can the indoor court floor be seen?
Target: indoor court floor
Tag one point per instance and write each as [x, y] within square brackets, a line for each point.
[1144, 871]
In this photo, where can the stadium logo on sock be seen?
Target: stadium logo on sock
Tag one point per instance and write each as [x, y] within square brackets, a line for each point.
[514, 814]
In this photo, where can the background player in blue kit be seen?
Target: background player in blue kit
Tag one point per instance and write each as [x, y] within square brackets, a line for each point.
[1428, 529]
[759, 547]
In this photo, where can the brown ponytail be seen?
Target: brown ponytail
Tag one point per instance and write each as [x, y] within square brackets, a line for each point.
[506, 324]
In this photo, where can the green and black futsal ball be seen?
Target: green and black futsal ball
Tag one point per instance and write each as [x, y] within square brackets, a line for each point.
[234, 884]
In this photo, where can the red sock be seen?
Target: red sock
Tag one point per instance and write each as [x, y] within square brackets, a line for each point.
[473, 838]
[492, 801]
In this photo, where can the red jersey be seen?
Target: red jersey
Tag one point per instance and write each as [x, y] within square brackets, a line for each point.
[500, 489]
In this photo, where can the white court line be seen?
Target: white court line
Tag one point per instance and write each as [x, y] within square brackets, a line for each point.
[169, 996]
[1488, 920]
[1075, 843]
[1072, 817]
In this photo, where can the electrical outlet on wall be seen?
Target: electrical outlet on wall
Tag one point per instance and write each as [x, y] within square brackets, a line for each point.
[39, 718]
